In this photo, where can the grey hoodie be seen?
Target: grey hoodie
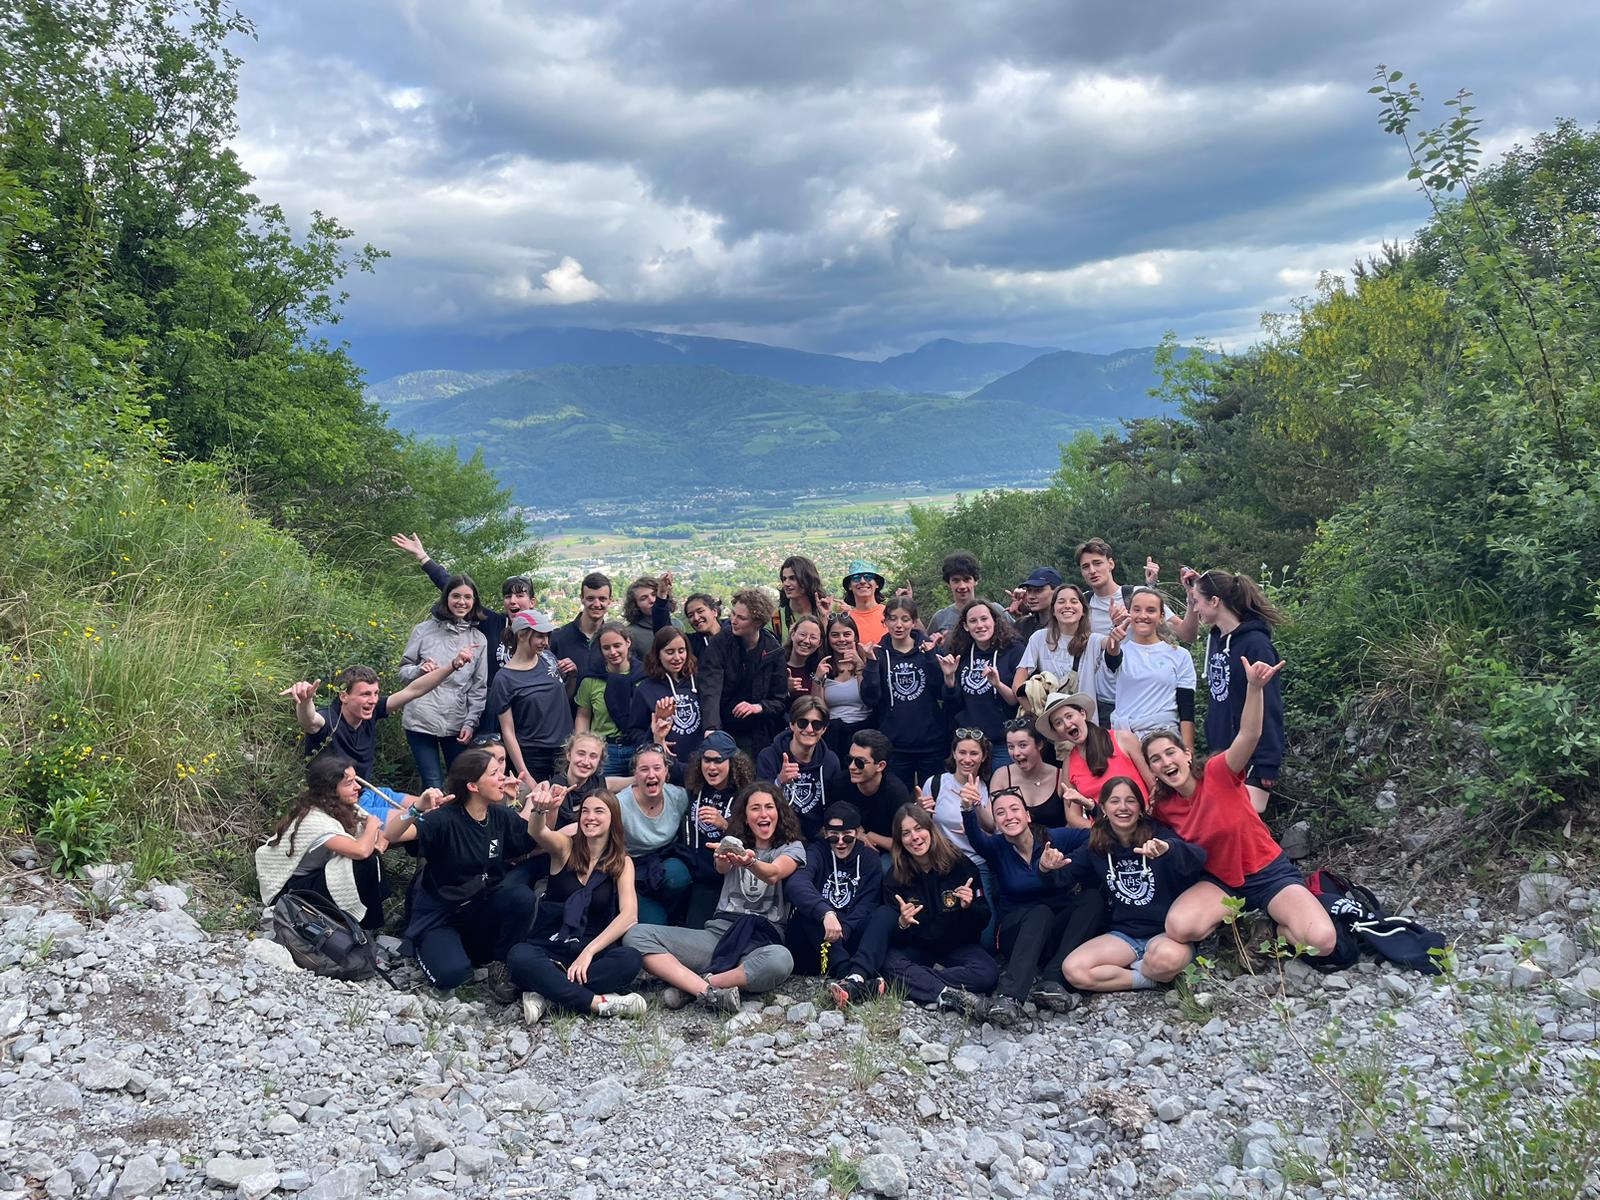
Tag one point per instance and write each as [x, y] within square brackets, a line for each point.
[458, 701]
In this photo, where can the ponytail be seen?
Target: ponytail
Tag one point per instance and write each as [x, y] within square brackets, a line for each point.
[1241, 595]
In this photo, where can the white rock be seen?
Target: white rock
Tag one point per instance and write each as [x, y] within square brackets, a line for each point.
[606, 1098]
[271, 953]
[429, 1133]
[100, 1074]
[1171, 1108]
[226, 1171]
[12, 1014]
[142, 1176]
[883, 1175]
[259, 1185]
[166, 898]
[1555, 952]
[933, 1052]
[283, 1125]
[1539, 891]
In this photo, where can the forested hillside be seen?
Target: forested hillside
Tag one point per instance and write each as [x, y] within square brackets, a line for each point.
[1412, 462]
[193, 490]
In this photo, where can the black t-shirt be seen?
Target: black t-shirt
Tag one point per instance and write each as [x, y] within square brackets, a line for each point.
[465, 857]
[878, 809]
[358, 742]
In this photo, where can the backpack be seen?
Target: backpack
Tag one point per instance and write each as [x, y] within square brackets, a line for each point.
[1360, 922]
[322, 937]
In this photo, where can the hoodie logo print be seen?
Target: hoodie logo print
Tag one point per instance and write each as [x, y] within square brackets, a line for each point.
[838, 890]
[685, 713]
[1131, 881]
[802, 793]
[906, 682]
[972, 678]
[1218, 675]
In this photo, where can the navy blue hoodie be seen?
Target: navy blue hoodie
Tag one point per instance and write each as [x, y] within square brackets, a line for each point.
[1228, 684]
[850, 889]
[1139, 891]
[940, 928]
[975, 701]
[910, 691]
[808, 795]
[688, 718]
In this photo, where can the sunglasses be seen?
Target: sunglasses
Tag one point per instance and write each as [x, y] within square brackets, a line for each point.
[809, 723]
[843, 836]
[1007, 791]
[855, 579]
[713, 759]
[1018, 724]
[971, 735]
[857, 761]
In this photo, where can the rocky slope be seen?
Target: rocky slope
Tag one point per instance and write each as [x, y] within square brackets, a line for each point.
[143, 1057]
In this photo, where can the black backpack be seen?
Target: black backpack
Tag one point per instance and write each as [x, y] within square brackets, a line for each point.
[322, 937]
[1360, 922]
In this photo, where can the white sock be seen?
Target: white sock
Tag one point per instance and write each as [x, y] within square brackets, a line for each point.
[1140, 983]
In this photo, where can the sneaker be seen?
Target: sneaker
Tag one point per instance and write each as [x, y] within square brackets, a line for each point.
[852, 989]
[720, 999]
[532, 1008]
[959, 1000]
[1054, 997]
[628, 1004]
[497, 982]
[675, 998]
[1005, 1012]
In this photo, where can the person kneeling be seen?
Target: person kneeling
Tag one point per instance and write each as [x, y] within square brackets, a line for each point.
[833, 895]
[575, 958]
[1142, 867]
[742, 946]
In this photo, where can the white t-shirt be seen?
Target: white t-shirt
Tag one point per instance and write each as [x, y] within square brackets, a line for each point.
[947, 813]
[1106, 686]
[1038, 656]
[1147, 697]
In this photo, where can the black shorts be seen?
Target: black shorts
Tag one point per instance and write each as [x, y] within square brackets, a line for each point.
[1261, 886]
[1256, 778]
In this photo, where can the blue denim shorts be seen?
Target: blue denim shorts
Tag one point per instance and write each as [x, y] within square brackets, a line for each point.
[1136, 944]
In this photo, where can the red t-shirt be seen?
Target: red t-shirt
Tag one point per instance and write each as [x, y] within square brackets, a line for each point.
[1220, 819]
[1087, 782]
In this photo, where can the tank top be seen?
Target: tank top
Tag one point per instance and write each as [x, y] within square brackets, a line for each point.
[563, 885]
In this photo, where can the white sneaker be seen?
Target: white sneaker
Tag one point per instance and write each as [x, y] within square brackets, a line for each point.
[532, 1007]
[628, 1004]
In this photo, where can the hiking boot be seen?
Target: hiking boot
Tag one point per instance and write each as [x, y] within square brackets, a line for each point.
[628, 1004]
[959, 1000]
[1054, 997]
[719, 999]
[853, 989]
[1005, 1012]
[532, 1008]
[497, 983]
[675, 998]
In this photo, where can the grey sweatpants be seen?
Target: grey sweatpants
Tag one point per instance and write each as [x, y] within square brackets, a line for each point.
[765, 967]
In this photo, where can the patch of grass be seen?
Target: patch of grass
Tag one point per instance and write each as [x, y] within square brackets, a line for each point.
[862, 1064]
[842, 1172]
[884, 1016]
[564, 1028]
[649, 1046]
[1188, 987]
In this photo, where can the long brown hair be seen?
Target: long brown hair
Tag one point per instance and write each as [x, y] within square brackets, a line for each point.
[1102, 838]
[788, 829]
[1005, 634]
[942, 853]
[1098, 746]
[1161, 790]
[321, 792]
[807, 576]
[1078, 639]
[1241, 595]
[663, 639]
[616, 850]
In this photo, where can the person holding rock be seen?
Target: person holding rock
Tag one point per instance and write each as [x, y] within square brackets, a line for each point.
[574, 958]
[742, 947]
[1211, 808]
[717, 773]
[1140, 867]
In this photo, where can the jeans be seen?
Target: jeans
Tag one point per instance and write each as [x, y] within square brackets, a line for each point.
[661, 905]
[425, 751]
[764, 967]
[619, 759]
[542, 967]
[482, 932]
[1036, 939]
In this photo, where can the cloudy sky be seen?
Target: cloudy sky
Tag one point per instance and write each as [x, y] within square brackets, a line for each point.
[861, 176]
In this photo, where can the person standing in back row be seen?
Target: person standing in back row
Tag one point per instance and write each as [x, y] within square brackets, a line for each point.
[1108, 601]
[576, 645]
[516, 595]
[1037, 591]
[864, 588]
[535, 717]
[961, 573]
[744, 682]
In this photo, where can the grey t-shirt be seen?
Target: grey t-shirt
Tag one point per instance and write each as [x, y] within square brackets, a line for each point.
[645, 835]
[743, 893]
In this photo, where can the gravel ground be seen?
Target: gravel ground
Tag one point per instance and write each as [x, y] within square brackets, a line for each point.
[144, 1057]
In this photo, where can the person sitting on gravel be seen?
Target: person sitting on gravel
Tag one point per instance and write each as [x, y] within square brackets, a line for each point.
[652, 816]
[575, 958]
[834, 894]
[1043, 917]
[742, 946]
[926, 934]
[465, 913]
[321, 840]
[1140, 867]
[1212, 808]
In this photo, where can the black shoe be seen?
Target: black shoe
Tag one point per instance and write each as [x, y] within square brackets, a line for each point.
[959, 1000]
[499, 986]
[1054, 997]
[853, 989]
[1005, 1012]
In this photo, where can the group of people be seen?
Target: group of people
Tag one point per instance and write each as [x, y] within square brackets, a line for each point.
[995, 806]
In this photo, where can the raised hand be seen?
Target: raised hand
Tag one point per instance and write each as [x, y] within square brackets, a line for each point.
[824, 669]
[867, 651]
[1152, 571]
[708, 814]
[411, 544]
[797, 685]
[1188, 576]
[908, 912]
[905, 591]
[1072, 795]
[1154, 848]
[302, 691]
[462, 658]
[964, 894]
[664, 590]
[1052, 859]
[789, 772]
[948, 664]
[825, 608]
[970, 795]
[430, 799]
[1260, 674]
[991, 674]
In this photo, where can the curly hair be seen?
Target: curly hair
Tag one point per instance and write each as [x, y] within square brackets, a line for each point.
[788, 829]
[757, 603]
[1005, 634]
[741, 773]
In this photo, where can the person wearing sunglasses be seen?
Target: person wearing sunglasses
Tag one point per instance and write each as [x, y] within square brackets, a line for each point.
[833, 895]
[801, 764]
[717, 773]
[872, 788]
[863, 587]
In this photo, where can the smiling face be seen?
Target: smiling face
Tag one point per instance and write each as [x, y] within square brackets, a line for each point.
[914, 839]
[1010, 815]
[1069, 724]
[674, 655]
[650, 774]
[1206, 607]
[596, 602]
[807, 729]
[594, 818]
[761, 816]
[360, 702]
[806, 638]
[864, 769]
[969, 757]
[863, 590]
[789, 582]
[963, 588]
[702, 617]
[1068, 608]
[517, 600]
[1170, 763]
[535, 642]
[583, 760]
[461, 601]
[348, 790]
[979, 624]
[1023, 749]
[614, 649]
[842, 639]
[1145, 609]
[1122, 807]
[1097, 570]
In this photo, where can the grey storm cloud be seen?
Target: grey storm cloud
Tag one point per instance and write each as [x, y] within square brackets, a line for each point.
[859, 178]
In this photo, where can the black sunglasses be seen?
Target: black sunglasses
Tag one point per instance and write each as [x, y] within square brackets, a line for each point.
[857, 760]
[809, 723]
[1007, 791]
[843, 836]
